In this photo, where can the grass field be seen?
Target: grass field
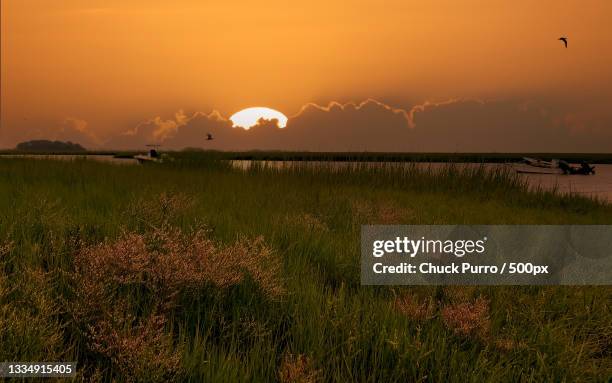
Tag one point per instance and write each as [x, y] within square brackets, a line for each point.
[593, 158]
[194, 271]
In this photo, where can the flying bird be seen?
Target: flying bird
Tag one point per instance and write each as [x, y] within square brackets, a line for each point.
[564, 39]
[209, 137]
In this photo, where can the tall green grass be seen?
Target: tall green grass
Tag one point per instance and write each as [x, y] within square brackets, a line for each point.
[325, 326]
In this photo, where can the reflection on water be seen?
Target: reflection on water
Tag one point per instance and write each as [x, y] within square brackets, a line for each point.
[598, 185]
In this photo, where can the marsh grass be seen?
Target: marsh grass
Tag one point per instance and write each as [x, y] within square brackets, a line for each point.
[297, 369]
[126, 290]
[468, 318]
[195, 271]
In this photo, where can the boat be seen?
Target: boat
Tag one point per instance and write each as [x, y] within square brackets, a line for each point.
[151, 156]
[537, 166]
[584, 169]
[529, 169]
[539, 163]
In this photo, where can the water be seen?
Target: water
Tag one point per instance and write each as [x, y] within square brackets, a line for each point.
[598, 185]
[595, 186]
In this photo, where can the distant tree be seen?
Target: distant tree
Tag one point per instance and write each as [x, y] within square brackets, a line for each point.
[49, 146]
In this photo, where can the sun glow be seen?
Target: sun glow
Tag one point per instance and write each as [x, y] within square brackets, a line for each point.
[249, 117]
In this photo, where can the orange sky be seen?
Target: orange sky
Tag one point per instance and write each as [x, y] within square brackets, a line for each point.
[113, 64]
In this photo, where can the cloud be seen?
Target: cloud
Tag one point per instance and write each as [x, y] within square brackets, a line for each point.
[68, 129]
[423, 108]
[369, 125]
[456, 125]
[167, 128]
[152, 131]
[334, 105]
[502, 126]
[76, 130]
[193, 133]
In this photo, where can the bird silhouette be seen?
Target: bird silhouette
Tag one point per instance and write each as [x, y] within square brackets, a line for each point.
[209, 137]
[564, 39]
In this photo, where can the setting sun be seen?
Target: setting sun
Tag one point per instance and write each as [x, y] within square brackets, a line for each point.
[249, 117]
